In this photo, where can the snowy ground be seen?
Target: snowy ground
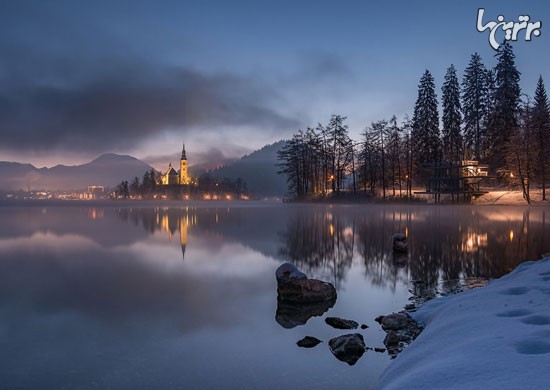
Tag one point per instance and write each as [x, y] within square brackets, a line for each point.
[493, 337]
[512, 198]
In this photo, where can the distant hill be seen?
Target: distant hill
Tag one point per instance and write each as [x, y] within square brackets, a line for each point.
[258, 169]
[107, 170]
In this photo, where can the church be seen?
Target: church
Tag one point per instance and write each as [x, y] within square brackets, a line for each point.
[173, 177]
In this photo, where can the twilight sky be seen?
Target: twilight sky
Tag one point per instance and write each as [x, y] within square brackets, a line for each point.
[81, 78]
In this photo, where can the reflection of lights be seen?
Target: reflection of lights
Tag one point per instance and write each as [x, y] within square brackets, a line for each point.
[406, 232]
[331, 229]
[511, 235]
[95, 214]
[347, 232]
[474, 241]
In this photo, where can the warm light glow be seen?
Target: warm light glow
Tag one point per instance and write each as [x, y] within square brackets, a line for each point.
[331, 177]
[228, 197]
[511, 174]
[473, 241]
[511, 235]
[406, 232]
[331, 229]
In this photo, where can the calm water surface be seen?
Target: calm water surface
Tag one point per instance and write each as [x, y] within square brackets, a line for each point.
[148, 297]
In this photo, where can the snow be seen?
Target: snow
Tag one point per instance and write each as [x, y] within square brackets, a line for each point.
[493, 337]
[512, 198]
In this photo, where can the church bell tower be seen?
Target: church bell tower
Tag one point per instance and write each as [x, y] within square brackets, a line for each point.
[184, 176]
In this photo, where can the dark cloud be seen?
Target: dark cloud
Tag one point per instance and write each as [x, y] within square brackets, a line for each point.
[127, 107]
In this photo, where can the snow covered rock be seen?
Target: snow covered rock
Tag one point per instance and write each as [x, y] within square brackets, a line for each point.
[492, 337]
[294, 286]
[348, 348]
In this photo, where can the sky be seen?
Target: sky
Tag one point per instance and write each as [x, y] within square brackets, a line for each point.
[80, 78]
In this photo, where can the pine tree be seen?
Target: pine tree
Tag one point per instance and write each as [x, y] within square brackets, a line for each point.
[425, 123]
[502, 120]
[452, 137]
[541, 128]
[475, 96]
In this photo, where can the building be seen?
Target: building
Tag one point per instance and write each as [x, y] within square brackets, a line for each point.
[173, 177]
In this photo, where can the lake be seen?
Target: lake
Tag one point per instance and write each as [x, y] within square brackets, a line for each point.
[136, 296]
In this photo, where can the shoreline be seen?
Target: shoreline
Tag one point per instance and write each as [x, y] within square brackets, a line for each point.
[489, 337]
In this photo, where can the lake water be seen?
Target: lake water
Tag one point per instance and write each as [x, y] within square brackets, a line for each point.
[109, 297]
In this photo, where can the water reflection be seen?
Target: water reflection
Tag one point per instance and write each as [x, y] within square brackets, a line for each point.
[86, 289]
[445, 243]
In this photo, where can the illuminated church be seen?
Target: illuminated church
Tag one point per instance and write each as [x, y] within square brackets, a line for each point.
[173, 177]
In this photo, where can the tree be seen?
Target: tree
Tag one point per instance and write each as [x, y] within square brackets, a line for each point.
[341, 150]
[122, 190]
[452, 117]
[541, 127]
[394, 147]
[521, 153]
[475, 95]
[502, 121]
[135, 187]
[425, 123]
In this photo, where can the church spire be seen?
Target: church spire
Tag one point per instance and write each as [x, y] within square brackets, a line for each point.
[183, 156]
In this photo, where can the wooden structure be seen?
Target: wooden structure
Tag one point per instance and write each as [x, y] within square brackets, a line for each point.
[460, 180]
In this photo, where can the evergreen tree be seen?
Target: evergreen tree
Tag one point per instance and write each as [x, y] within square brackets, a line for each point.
[475, 96]
[452, 137]
[425, 123]
[502, 120]
[541, 129]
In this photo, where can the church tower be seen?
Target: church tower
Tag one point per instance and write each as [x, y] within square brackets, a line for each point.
[184, 176]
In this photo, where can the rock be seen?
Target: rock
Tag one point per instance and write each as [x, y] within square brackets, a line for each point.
[381, 350]
[348, 348]
[290, 315]
[288, 270]
[308, 342]
[410, 306]
[294, 286]
[391, 339]
[363, 326]
[401, 330]
[379, 319]
[340, 323]
[395, 321]
[400, 243]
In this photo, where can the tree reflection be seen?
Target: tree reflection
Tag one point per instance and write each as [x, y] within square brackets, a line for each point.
[444, 243]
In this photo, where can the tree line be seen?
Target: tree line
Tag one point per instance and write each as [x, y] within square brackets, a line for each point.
[485, 118]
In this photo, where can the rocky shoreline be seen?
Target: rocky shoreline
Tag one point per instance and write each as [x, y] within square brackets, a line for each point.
[300, 298]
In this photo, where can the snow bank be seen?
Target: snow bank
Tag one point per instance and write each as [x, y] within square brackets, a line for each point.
[493, 337]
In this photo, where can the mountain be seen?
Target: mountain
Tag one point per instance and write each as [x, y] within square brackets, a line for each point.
[107, 170]
[258, 169]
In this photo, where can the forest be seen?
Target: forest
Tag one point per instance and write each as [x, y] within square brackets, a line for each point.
[485, 117]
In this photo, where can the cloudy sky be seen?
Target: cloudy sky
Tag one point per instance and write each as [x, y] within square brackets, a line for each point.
[81, 78]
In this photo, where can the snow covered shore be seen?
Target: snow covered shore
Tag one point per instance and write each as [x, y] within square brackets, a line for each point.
[493, 337]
